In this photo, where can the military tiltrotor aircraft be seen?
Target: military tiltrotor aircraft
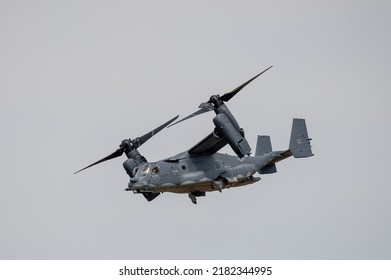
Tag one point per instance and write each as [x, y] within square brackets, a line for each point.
[202, 169]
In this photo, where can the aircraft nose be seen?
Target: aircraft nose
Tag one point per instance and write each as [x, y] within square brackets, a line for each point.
[137, 183]
[134, 180]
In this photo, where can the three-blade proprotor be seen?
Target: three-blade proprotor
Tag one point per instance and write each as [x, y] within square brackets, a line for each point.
[128, 144]
[215, 99]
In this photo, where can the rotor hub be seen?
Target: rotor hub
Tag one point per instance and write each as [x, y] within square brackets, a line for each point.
[216, 101]
[127, 145]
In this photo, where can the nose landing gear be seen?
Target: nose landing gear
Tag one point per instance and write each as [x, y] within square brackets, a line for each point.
[193, 196]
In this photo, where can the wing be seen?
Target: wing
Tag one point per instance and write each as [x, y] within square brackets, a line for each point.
[207, 146]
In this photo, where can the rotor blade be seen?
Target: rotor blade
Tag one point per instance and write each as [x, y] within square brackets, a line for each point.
[199, 112]
[141, 140]
[207, 106]
[229, 95]
[117, 153]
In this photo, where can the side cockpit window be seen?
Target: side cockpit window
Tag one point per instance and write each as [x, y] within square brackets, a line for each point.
[148, 169]
[155, 169]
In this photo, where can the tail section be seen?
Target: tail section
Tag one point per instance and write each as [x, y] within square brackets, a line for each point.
[300, 145]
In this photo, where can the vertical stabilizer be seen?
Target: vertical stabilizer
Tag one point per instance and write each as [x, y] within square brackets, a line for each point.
[264, 146]
[300, 145]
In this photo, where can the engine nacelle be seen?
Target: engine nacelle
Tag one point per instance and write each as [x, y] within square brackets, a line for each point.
[129, 166]
[233, 135]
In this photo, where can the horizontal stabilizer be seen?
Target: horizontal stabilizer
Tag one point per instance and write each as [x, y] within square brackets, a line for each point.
[299, 144]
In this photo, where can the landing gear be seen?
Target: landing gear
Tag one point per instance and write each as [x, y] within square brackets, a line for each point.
[193, 196]
[218, 185]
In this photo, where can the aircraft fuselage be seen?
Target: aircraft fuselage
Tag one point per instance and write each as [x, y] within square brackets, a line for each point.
[197, 174]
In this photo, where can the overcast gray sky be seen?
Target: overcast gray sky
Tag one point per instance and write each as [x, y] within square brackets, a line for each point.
[77, 77]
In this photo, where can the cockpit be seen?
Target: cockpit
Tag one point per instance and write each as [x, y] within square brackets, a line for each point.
[148, 169]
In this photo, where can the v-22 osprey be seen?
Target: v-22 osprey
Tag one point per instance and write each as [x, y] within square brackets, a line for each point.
[202, 168]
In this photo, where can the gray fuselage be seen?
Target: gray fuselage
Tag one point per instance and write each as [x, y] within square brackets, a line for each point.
[198, 174]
